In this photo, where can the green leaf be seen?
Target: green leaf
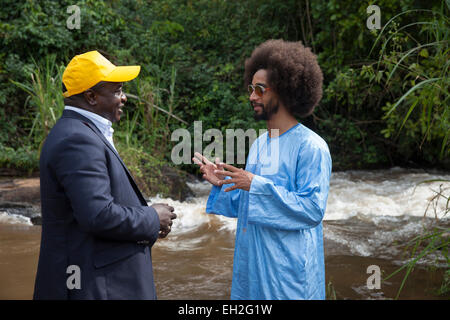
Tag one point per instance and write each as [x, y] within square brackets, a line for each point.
[424, 53]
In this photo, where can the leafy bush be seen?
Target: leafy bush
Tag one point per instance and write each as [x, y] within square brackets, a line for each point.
[25, 159]
[192, 55]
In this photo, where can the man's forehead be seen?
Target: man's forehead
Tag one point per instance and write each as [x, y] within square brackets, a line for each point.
[260, 76]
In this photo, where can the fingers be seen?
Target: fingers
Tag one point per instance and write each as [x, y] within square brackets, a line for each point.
[170, 208]
[165, 230]
[206, 161]
[231, 170]
[196, 161]
[230, 167]
[198, 156]
[166, 216]
[163, 234]
[224, 173]
[172, 215]
[201, 158]
[219, 164]
[227, 181]
[167, 227]
[230, 188]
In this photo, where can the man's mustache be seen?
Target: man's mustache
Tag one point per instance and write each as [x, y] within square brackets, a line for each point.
[255, 104]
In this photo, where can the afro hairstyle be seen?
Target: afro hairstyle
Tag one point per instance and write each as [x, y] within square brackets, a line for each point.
[293, 73]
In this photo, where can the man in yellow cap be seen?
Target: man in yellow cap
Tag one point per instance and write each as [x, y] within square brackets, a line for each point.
[97, 229]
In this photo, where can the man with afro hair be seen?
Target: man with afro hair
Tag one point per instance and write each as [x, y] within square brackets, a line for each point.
[280, 197]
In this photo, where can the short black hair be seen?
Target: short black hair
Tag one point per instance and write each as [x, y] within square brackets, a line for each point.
[293, 73]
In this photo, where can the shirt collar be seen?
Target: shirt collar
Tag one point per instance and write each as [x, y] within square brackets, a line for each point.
[103, 124]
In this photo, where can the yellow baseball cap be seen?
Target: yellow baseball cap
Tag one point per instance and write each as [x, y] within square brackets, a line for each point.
[86, 70]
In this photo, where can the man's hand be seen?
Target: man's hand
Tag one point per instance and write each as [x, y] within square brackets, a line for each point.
[166, 215]
[242, 179]
[207, 168]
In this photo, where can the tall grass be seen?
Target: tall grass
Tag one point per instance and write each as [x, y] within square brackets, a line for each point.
[423, 74]
[45, 98]
[149, 123]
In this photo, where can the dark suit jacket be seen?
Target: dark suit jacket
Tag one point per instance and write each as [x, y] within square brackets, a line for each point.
[93, 216]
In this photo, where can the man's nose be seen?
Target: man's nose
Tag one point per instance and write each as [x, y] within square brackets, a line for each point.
[123, 98]
[254, 96]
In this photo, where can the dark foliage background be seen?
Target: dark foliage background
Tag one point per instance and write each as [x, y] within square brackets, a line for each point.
[192, 55]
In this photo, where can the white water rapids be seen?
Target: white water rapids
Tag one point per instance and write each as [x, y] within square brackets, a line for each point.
[366, 210]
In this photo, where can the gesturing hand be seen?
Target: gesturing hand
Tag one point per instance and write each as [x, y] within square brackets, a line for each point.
[166, 215]
[207, 168]
[242, 179]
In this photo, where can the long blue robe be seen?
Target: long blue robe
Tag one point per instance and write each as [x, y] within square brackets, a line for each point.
[279, 241]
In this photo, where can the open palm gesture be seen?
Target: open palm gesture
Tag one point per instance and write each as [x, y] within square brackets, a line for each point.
[207, 168]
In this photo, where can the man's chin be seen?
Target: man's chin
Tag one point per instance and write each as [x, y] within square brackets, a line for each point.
[260, 116]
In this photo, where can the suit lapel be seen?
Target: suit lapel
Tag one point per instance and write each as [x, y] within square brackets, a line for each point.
[93, 127]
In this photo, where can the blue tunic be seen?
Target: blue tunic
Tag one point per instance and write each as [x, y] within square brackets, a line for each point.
[279, 241]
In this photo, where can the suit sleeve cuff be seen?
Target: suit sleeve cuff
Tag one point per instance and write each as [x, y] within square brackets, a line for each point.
[155, 223]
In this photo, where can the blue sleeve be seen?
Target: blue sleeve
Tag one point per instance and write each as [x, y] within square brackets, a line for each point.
[223, 203]
[81, 168]
[275, 206]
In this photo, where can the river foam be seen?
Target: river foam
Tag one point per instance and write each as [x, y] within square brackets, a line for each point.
[374, 196]
[12, 218]
[394, 192]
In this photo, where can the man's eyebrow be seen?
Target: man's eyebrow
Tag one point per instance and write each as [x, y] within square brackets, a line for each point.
[262, 84]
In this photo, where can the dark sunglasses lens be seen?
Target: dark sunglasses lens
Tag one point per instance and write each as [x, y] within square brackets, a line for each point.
[259, 90]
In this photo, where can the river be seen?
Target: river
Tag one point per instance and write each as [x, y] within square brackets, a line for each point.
[370, 216]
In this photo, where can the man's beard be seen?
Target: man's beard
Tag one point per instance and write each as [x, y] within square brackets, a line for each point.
[267, 111]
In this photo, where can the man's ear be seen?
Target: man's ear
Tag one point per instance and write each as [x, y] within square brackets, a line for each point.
[90, 96]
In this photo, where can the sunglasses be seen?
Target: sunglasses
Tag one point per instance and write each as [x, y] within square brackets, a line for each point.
[259, 89]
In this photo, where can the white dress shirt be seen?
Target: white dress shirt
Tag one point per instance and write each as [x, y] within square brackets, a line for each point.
[103, 124]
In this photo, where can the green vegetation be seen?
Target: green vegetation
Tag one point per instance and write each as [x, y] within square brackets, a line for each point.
[330, 292]
[23, 158]
[44, 98]
[423, 73]
[154, 176]
[434, 239]
[385, 95]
